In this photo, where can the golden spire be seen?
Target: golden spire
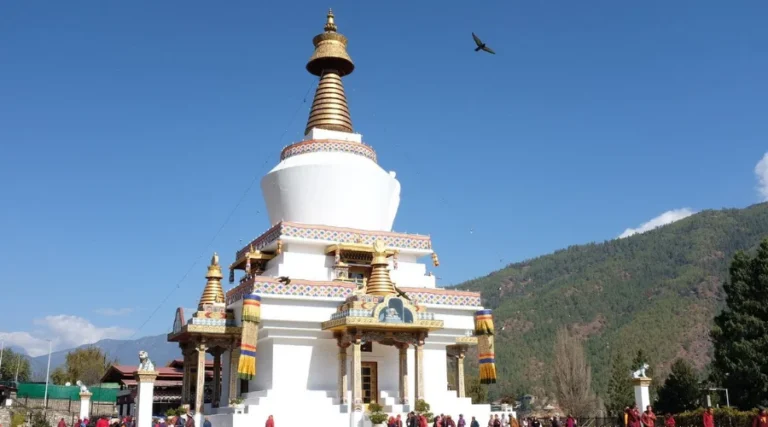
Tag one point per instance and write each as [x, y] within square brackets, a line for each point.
[379, 283]
[213, 292]
[330, 62]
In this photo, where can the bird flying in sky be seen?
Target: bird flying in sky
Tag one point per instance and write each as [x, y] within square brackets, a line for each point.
[481, 45]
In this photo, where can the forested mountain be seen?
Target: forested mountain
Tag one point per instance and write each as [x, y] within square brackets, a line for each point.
[658, 290]
[126, 352]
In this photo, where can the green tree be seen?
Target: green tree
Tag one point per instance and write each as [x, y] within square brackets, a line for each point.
[620, 392]
[11, 362]
[476, 390]
[84, 364]
[740, 331]
[422, 408]
[680, 391]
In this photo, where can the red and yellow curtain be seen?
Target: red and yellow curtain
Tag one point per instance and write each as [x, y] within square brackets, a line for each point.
[485, 349]
[251, 317]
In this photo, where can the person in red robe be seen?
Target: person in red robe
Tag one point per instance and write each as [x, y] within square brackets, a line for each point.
[708, 418]
[670, 421]
[761, 420]
[270, 422]
[649, 418]
[423, 421]
[633, 417]
[62, 423]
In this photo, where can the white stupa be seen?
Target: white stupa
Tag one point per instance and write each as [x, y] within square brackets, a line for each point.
[336, 307]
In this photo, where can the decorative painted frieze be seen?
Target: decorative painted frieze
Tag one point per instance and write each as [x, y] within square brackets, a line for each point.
[341, 291]
[337, 235]
[329, 146]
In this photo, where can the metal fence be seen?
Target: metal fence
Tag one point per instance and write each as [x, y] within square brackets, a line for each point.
[61, 392]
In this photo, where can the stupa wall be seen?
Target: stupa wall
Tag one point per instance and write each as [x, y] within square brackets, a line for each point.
[306, 188]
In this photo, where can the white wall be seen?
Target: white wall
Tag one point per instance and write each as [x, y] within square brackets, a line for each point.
[435, 371]
[410, 274]
[307, 262]
[264, 366]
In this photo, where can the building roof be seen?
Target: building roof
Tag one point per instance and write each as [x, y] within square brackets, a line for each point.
[179, 364]
[123, 374]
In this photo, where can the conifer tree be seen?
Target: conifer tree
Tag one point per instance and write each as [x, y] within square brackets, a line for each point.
[681, 389]
[740, 334]
[620, 392]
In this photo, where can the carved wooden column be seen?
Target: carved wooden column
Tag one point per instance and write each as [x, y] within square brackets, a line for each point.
[216, 377]
[403, 373]
[234, 361]
[200, 383]
[419, 365]
[343, 374]
[460, 373]
[357, 380]
[186, 382]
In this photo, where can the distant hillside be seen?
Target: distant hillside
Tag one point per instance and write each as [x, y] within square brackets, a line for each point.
[125, 351]
[658, 290]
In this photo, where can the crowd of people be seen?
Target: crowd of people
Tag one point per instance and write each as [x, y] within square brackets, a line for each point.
[630, 417]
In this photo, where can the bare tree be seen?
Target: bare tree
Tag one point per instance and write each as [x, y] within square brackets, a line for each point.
[572, 376]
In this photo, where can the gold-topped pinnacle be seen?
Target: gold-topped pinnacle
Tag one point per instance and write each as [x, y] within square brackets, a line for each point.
[330, 61]
[380, 283]
[330, 26]
[213, 292]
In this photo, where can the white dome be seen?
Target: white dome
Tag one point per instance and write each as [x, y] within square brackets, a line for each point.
[334, 183]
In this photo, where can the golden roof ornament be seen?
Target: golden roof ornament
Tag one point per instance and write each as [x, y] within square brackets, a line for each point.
[330, 61]
[213, 292]
[379, 283]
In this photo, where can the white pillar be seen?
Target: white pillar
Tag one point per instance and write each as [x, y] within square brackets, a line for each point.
[145, 397]
[642, 396]
[226, 371]
[85, 404]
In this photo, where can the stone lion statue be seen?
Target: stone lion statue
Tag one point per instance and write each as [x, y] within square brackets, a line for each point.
[145, 364]
[640, 373]
[83, 388]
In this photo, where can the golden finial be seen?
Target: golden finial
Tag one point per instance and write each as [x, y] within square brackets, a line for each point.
[379, 283]
[250, 248]
[435, 260]
[279, 247]
[213, 292]
[330, 61]
[330, 26]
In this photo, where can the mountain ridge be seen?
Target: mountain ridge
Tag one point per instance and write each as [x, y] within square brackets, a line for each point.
[657, 290]
[126, 352]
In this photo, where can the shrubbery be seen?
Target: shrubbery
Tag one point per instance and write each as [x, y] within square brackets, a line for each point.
[724, 417]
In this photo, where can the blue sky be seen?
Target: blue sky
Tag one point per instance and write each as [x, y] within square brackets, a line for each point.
[130, 130]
